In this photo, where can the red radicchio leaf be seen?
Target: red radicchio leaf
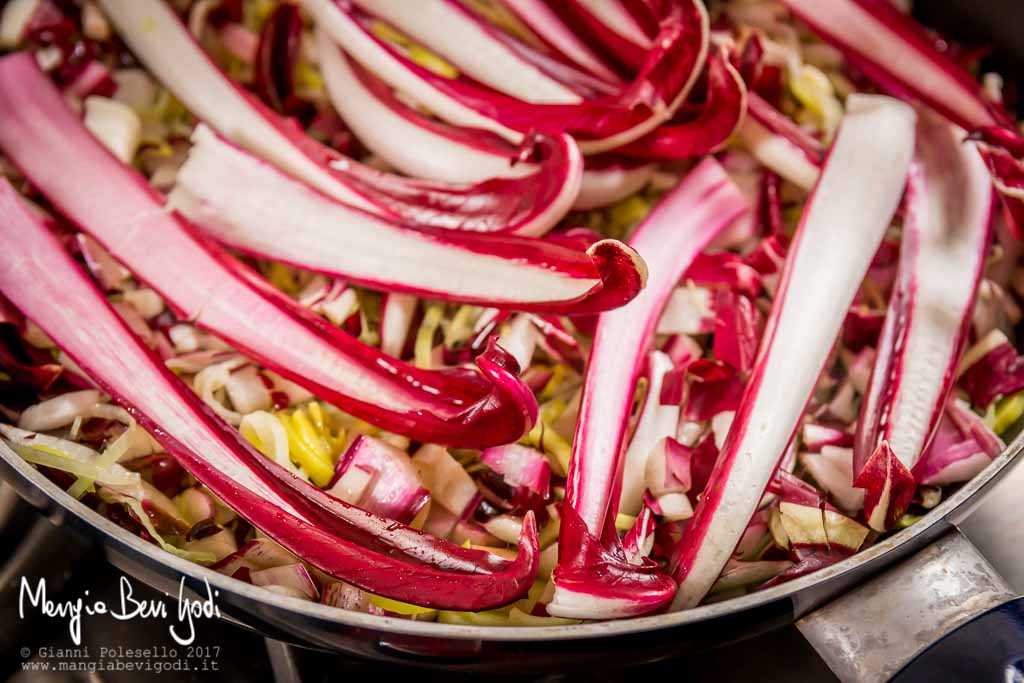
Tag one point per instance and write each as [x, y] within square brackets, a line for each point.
[725, 269]
[708, 130]
[1002, 150]
[587, 585]
[640, 534]
[27, 367]
[944, 248]
[283, 335]
[603, 569]
[737, 330]
[901, 58]
[770, 205]
[770, 254]
[344, 541]
[276, 56]
[792, 489]
[889, 487]
[679, 463]
[862, 327]
[598, 124]
[673, 386]
[763, 79]
[559, 38]
[809, 560]
[821, 277]
[619, 35]
[530, 203]
[702, 461]
[953, 455]
[713, 387]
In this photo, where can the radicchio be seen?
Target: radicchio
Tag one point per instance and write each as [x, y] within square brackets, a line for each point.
[841, 228]
[594, 578]
[374, 553]
[945, 244]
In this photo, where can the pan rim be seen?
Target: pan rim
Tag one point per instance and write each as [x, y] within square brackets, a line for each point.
[952, 510]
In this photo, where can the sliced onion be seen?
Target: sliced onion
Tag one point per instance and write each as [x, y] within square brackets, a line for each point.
[59, 411]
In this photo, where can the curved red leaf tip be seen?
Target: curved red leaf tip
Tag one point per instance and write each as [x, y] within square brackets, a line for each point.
[601, 583]
[496, 355]
[514, 578]
[610, 590]
[888, 488]
[1003, 151]
[511, 406]
[623, 275]
[999, 136]
[535, 146]
[722, 113]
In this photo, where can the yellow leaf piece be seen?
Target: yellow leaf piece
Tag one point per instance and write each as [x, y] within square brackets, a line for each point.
[414, 51]
[318, 418]
[308, 78]
[312, 449]
[497, 14]
[421, 517]
[559, 373]
[433, 62]
[812, 89]
[503, 553]
[236, 68]
[626, 213]
[390, 34]
[43, 448]
[109, 456]
[397, 607]
[461, 327]
[489, 618]
[156, 146]
[423, 353]
[1008, 411]
[551, 443]
[907, 520]
[624, 522]
[532, 596]
[552, 410]
[362, 427]
[549, 534]
[167, 110]
[778, 532]
[517, 614]
[250, 435]
[282, 277]
[256, 12]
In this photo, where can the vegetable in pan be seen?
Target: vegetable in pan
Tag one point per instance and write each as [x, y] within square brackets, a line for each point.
[505, 312]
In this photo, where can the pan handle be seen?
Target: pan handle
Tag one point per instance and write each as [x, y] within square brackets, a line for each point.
[900, 624]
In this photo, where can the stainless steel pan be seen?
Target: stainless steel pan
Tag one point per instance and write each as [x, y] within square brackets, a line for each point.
[935, 579]
[936, 545]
